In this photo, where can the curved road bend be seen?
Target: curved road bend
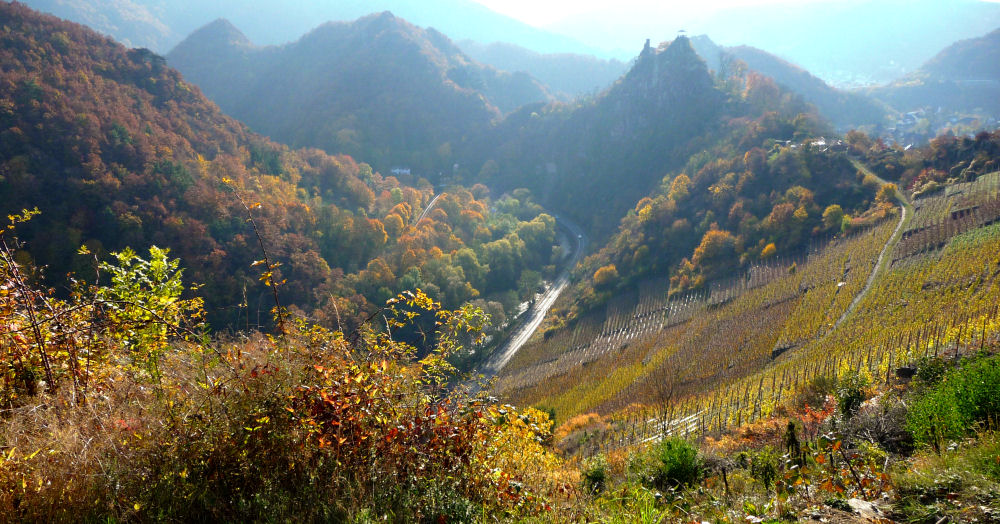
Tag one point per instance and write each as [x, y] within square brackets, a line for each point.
[430, 205]
[534, 316]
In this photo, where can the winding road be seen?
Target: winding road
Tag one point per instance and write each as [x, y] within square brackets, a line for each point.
[536, 314]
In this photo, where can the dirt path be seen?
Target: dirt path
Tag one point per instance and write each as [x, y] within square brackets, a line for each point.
[904, 219]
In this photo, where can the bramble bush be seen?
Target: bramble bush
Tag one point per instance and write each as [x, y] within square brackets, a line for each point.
[143, 417]
[595, 474]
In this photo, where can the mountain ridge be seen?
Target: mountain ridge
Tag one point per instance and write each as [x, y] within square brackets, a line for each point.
[571, 74]
[844, 109]
[419, 93]
[962, 81]
[162, 24]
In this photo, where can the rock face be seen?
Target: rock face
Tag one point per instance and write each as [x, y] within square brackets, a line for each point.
[617, 145]
[668, 89]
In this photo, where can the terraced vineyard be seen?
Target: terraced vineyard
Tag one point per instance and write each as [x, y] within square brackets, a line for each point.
[732, 353]
[956, 209]
[646, 339]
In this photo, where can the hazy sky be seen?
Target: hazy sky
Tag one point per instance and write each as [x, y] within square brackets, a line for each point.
[553, 13]
[543, 13]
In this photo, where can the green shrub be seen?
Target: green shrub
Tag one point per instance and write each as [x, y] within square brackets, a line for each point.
[965, 398]
[851, 393]
[595, 474]
[930, 370]
[677, 464]
[763, 466]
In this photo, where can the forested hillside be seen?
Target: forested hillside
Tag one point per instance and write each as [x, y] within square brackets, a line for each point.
[116, 149]
[947, 159]
[378, 88]
[748, 208]
[593, 160]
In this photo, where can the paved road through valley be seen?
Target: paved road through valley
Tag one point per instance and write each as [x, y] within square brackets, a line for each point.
[534, 316]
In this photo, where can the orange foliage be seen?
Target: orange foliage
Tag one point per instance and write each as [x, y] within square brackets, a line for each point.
[716, 246]
[606, 277]
[577, 423]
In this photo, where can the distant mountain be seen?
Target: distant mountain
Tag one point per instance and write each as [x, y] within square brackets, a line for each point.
[162, 24]
[963, 78]
[567, 75]
[134, 23]
[379, 88]
[848, 43]
[857, 40]
[844, 109]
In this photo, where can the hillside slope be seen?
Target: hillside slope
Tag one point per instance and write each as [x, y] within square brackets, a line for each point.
[378, 88]
[117, 150]
[913, 284]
